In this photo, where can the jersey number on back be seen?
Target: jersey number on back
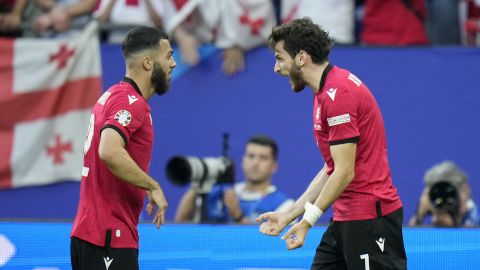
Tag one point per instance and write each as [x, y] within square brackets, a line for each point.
[88, 140]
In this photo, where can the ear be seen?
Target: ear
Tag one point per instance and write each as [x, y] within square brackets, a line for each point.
[147, 63]
[301, 58]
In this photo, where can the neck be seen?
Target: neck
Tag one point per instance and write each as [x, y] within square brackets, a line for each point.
[257, 186]
[143, 83]
[313, 74]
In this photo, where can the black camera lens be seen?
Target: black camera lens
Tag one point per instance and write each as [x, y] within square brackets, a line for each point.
[179, 170]
[444, 195]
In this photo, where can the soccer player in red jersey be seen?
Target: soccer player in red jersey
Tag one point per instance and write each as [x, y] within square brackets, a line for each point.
[118, 150]
[366, 231]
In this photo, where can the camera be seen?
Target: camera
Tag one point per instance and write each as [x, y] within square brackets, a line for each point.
[443, 195]
[203, 173]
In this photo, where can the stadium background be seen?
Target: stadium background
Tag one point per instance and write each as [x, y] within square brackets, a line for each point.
[430, 102]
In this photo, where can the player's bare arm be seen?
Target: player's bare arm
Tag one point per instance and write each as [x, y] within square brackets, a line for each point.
[275, 222]
[113, 153]
[344, 159]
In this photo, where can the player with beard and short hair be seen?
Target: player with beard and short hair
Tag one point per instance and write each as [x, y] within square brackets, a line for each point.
[366, 230]
[117, 151]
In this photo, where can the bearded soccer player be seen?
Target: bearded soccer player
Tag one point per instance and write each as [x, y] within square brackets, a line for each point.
[118, 150]
[366, 231]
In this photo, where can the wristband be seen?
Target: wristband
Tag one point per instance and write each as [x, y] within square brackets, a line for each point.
[312, 213]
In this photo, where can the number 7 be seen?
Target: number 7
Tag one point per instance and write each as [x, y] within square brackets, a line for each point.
[367, 261]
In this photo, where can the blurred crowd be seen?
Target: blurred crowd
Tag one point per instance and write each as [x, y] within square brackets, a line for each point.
[237, 26]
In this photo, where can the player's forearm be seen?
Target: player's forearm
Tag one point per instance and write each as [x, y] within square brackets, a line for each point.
[336, 184]
[309, 195]
[124, 167]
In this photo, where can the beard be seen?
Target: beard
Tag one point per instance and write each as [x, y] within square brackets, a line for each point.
[296, 79]
[159, 79]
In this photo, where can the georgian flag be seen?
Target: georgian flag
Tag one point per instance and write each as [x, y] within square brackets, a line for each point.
[46, 92]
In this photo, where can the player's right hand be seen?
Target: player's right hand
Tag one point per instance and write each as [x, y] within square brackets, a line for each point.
[156, 197]
[273, 223]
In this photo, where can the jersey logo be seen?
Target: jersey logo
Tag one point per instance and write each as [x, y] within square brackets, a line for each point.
[317, 114]
[104, 98]
[337, 120]
[354, 79]
[123, 117]
[331, 93]
[132, 99]
[107, 261]
[317, 127]
[381, 243]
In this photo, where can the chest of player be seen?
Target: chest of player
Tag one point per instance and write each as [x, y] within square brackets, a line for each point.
[320, 128]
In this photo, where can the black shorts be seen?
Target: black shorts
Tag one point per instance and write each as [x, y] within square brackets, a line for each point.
[86, 256]
[363, 244]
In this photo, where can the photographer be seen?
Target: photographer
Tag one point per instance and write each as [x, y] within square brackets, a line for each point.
[446, 198]
[242, 202]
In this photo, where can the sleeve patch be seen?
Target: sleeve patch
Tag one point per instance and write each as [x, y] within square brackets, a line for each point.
[337, 120]
[123, 117]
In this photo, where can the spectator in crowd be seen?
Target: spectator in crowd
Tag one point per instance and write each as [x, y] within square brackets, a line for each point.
[470, 10]
[394, 23]
[131, 12]
[243, 202]
[235, 26]
[446, 198]
[335, 16]
[442, 22]
[244, 25]
[11, 12]
[61, 15]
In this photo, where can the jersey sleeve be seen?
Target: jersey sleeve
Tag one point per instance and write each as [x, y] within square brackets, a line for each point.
[340, 110]
[124, 117]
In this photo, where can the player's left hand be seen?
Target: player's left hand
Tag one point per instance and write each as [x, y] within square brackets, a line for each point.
[156, 197]
[295, 236]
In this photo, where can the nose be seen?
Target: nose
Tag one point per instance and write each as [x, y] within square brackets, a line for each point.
[173, 63]
[276, 68]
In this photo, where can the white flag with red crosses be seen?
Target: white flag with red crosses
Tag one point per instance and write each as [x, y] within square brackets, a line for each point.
[47, 89]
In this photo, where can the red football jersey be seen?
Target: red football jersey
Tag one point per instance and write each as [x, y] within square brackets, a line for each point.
[106, 202]
[344, 110]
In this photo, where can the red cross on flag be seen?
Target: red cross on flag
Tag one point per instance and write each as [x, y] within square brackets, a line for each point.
[46, 92]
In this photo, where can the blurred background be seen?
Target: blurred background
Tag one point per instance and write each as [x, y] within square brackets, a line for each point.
[420, 58]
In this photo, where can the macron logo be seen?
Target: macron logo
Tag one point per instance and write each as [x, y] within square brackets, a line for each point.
[108, 261]
[381, 243]
[132, 99]
[331, 93]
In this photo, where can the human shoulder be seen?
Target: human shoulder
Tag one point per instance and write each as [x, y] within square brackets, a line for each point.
[124, 95]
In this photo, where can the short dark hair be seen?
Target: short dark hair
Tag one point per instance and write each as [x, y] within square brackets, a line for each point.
[303, 34]
[265, 141]
[141, 38]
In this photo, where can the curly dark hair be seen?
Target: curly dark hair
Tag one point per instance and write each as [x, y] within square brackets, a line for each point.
[302, 34]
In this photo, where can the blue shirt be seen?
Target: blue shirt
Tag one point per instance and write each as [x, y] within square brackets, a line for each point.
[252, 204]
